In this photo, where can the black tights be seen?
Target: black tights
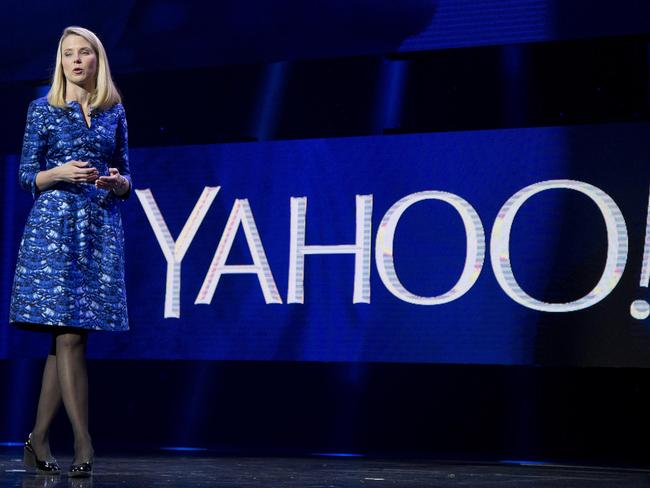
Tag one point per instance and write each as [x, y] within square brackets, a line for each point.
[65, 380]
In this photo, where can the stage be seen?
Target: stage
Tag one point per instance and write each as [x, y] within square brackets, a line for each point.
[148, 470]
[363, 243]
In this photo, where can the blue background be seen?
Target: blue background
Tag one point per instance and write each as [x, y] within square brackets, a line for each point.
[558, 248]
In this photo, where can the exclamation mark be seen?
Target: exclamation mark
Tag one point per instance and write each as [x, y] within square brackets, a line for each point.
[640, 309]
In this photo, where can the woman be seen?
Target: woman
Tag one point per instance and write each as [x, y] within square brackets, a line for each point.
[69, 277]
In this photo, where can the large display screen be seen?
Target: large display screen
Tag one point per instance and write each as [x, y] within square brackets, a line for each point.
[515, 247]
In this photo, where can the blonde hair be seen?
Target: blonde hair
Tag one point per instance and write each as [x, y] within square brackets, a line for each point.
[105, 94]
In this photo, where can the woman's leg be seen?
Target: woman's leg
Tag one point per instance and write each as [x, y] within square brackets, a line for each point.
[49, 403]
[73, 381]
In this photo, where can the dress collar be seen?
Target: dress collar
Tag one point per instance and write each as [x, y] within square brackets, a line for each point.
[91, 110]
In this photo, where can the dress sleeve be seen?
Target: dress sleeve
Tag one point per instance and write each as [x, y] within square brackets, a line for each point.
[32, 158]
[121, 154]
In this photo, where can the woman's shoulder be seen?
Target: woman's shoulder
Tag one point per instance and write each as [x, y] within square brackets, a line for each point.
[114, 111]
[40, 103]
[39, 112]
[42, 106]
[117, 108]
[117, 113]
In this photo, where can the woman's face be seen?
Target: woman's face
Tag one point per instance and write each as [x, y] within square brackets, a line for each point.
[79, 60]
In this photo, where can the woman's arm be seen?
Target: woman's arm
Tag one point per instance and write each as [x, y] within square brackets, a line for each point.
[121, 156]
[71, 172]
[46, 179]
[33, 152]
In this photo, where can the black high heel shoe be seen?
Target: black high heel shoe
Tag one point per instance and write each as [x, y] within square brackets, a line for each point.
[31, 461]
[81, 470]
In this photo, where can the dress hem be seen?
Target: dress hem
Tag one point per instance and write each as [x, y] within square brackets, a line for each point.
[40, 327]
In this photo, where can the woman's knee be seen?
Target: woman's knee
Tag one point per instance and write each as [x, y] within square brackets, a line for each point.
[70, 341]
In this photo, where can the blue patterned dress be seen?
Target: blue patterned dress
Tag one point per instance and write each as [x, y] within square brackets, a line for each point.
[70, 268]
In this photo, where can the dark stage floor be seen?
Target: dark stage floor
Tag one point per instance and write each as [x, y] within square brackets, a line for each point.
[315, 472]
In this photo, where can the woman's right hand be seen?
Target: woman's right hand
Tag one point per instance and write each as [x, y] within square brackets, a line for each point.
[77, 172]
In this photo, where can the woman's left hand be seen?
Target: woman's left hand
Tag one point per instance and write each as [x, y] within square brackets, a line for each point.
[115, 181]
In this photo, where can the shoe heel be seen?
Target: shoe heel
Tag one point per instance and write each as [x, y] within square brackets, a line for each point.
[29, 460]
